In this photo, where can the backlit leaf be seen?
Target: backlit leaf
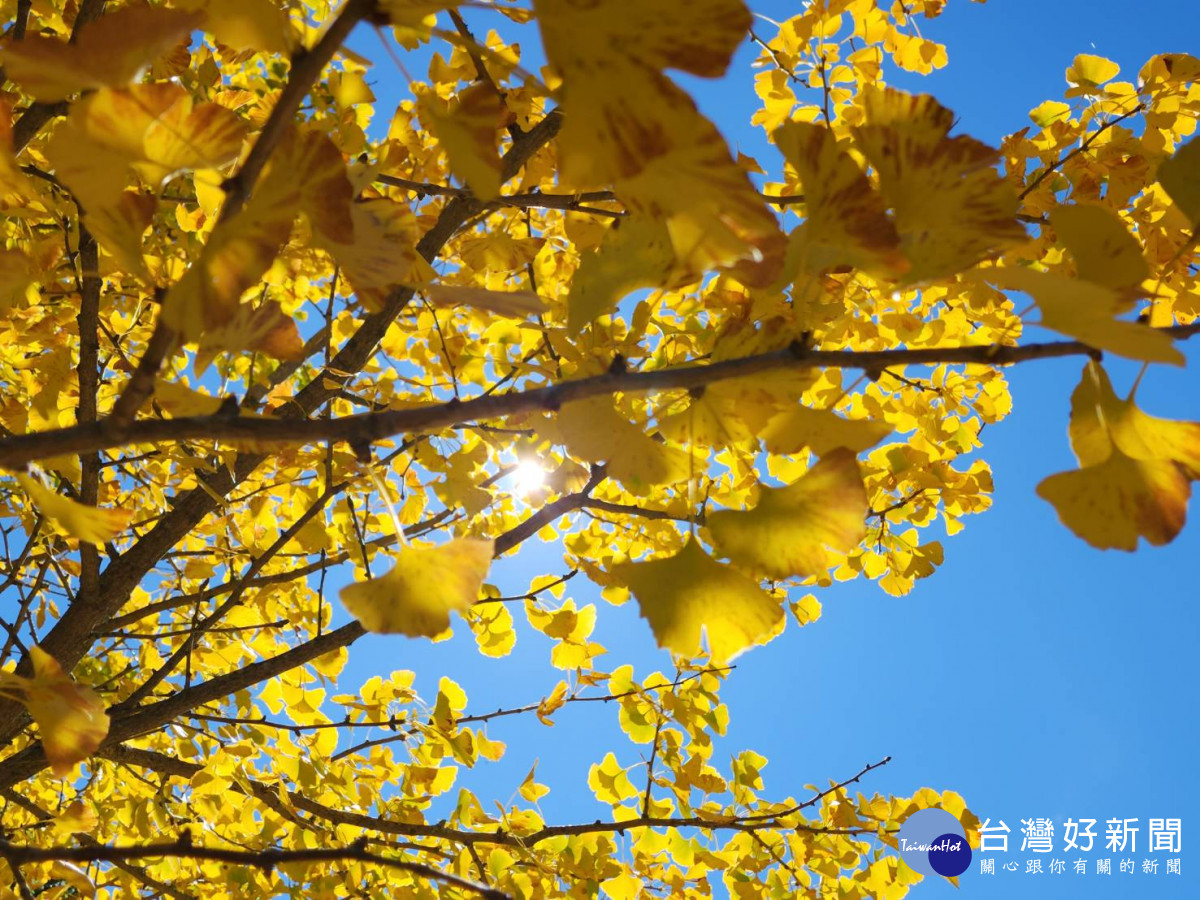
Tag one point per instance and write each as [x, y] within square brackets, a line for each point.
[87, 523]
[71, 718]
[952, 208]
[427, 582]
[1104, 250]
[690, 597]
[109, 52]
[792, 529]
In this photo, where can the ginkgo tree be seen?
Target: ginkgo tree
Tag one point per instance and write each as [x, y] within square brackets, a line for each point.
[263, 327]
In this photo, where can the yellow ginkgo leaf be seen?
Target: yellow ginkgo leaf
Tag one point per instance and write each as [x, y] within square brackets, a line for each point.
[690, 598]
[418, 594]
[178, 400]
[250, 25]
[711, 419]
[119, 228]
[77, 818]
[71, 718]
[160, 128]
[644, 135]
[594, 431]
[952, 207]
[1100, 419]
[468, 130]
[86, 523]
[1112, 504]
[793, 528]
[17, 272]
[820, 430]
[109, 51]
[1180, 177]
[306, 174]
[1104, 250]
[636, 253]
[516, 304]
[1088, 72]
[846, 223]
[382, 252]
[1086, 311]
[265, 328]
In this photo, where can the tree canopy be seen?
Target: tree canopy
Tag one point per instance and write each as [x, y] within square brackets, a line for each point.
[268, 330]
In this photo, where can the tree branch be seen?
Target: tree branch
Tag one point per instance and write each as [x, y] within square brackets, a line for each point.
[266, 859]
[16, 451]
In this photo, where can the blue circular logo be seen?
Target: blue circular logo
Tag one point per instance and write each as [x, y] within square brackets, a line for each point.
[933, 842]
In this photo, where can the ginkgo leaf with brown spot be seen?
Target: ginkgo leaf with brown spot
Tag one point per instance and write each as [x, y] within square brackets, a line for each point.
[952, 207]
[792, 529]
[306, 174]
[425, 585]
[691, 600]
[108, 52]
[160, 128]
[1113, 503]
[846, 222]
[382, 252]
[71, 718]
[90, 524]
[644, 135]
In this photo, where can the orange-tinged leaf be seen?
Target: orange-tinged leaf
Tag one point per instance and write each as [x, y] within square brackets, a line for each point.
[516, 304]
[160, 128]
[1104, 250]
[468, 130]
[307, 174]
[77, 818]
[952, 208]
[109, 52]
[264, 329]
[71, 718]
[792, 529]
[696, 36]
[690, 597]
[644, 135]
[846, 222]
[416, 597]
[1112, 504]
[86, 523]
[821, 430]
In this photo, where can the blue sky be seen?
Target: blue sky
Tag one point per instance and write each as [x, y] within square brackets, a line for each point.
[1036, 676]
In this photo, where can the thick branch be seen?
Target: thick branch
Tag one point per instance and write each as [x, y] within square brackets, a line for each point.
[18, 450]
[267, 859]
